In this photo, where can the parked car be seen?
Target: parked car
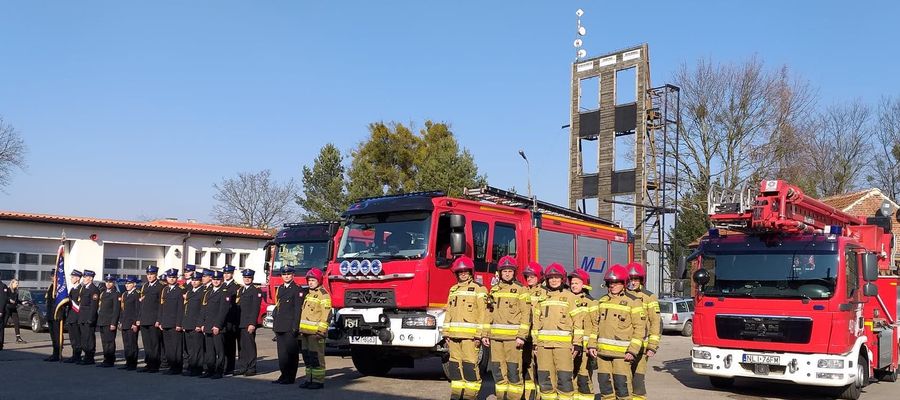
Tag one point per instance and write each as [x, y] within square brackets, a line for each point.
[677, 315]
[32, 310]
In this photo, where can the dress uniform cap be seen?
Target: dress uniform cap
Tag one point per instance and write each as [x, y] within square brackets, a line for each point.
[109, 277]
[195, 277]
[152, 269]
[131, 279]
[248, 273]
[228, 268]
[507, 262]
[287, 269]
[172, 273]
[217, 275]
[89, 273]
[76, 272]
[190, 267]
[315, 273]
[208, 272]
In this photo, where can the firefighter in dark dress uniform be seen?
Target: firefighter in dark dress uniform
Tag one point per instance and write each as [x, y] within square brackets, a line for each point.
[151, 293]
[249, 298]
[108, 320]
[130, 305]
[53, 322]
[214, 310]
[72, 316]
[87, 317]
[288, 304]
[232, 334]
[192, 324]
[171, 314]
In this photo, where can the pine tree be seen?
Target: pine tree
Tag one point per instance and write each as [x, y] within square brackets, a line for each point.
[324, 188]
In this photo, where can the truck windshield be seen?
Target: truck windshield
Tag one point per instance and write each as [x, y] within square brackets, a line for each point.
[386, 236]
[756, 270]
[303, 256]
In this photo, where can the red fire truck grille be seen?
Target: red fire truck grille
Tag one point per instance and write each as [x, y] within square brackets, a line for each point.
[764, 328]
[368, 298]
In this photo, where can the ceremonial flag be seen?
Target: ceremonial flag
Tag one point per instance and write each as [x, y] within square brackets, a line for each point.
[59, 284]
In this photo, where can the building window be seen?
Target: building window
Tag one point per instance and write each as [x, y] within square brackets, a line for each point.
[29, 259]
[479, 239]
[131, 264]
[46, 275]
[147, 263]
[213, 258]
[7, 258]
[243, 260]
[28, 275]
[110, 264]
[7, 274]
[228, 258]
[198, 258]
[48, 259]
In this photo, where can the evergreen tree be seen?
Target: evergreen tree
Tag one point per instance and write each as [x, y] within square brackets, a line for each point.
[324, 187]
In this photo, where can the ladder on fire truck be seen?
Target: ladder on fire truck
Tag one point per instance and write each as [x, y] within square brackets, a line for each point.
[504, 197]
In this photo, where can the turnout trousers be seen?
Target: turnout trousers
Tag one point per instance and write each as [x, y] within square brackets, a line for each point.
[288, 354]
[585, 366]
[465, 379]
[529, 372]
[247, 357]
[554, 373]
[638, 375]
[506, 361]
[614, 378]
[313, 350]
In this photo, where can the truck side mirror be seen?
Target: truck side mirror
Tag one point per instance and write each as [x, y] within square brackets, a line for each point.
[870, 290]
[457, 243]
[701, 277]
[457, 222]
[330, 252]
[870, 267]
[682, 267]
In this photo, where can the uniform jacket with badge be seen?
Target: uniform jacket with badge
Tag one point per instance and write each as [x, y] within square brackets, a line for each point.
[288, 304]
[621, 325]
[511, 311]
[130, 305]
[74, 296]
[4, 297]
[193, 300]
[554, 319]
[150, 296]
[215, 308]
[249, 299]
[316, 311]
[467, 315]
[88, 304]
[654, 323]
[234, 310]
[108, 309]
[585, 311]
[171, 307]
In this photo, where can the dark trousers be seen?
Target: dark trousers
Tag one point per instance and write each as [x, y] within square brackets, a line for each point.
[172, 344]
[215, 353]
[247, 361]
[54, 337]
[108, 340]
[74, 340]
[288, 355]
[129, 342]
[150, 337]
[11, 315]
[3, 319]
[231, 342]
[88, 340]
[194, 345]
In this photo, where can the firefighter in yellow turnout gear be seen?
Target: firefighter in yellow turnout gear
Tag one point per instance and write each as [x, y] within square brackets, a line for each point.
[510, 315]
[637, 275]
[620, 336]
[554, 339]
[465, 327]
[534, 277]
[314, 319]
[586, 308]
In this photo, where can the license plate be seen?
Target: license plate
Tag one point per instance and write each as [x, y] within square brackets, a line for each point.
[761, 369]
[351, 323]
[364, 340]
[762, 359]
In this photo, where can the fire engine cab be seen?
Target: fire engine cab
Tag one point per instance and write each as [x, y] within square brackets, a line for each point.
[788, 288]
[390, 279]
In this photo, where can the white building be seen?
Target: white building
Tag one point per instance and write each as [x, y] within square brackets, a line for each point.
[29, 243]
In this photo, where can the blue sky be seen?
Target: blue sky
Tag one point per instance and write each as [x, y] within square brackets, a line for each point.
[134, 110]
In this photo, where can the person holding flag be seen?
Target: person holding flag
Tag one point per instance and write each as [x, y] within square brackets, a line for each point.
[72, 316]
[56, 299]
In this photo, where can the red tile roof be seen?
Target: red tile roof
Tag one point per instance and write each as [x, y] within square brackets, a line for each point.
[158, 225]
[842, 201]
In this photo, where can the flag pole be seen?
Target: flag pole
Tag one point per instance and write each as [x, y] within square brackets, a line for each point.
[62, 245]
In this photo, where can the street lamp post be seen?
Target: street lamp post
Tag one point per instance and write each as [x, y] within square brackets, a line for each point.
[528, 169]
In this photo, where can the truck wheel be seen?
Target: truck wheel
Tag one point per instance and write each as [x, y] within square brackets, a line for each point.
[886, 376]
[688, 329]
[854, 390]
[370, 361]
[719, 382]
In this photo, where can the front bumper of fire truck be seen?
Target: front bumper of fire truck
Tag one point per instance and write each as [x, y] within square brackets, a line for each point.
[380, 327]
[804, 369]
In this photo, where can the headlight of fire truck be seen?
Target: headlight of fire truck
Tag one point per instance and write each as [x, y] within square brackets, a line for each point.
[419, 322]
[831, 363]
[702, 354]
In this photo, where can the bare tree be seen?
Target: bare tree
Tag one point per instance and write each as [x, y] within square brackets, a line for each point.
[885, 171]
[840, 150]
[254, 200]
[12, 152]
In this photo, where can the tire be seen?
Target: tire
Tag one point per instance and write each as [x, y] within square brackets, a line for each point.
[854, 390]
[886, 376]
[370, 361]
[719, 382]
[688, 329]
[36, 325]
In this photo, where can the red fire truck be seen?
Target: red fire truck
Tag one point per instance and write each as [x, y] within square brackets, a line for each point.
[798, 291]
[390, 278]
[302, 245]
